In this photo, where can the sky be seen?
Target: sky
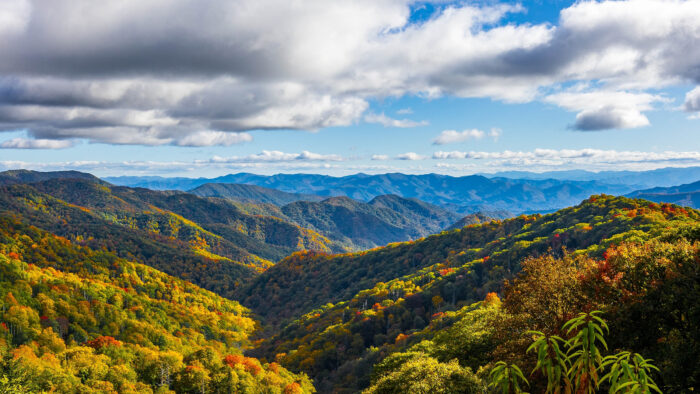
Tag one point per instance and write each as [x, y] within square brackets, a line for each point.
[206, 87]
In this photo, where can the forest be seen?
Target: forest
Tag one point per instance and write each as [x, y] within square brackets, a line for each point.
[117, 289]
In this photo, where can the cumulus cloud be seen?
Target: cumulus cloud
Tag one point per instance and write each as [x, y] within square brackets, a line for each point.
[410, 156]
[277, 156]
[601, 109]
[24, 143]
[209, 138]
[564, 157]
[391, 122]
[495, 133]
[380, 157]
[692, 101]
[457, 162]
[454, 136]
[109, 72]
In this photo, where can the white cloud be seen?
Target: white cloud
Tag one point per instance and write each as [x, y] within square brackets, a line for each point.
[410, 156]
[380, 157]
[391, 122]
[404, 111]
[692, 102]
[573, 157]
[601, 109]
[495, 133]
[24, 143]
[209, 138]
[456, 162]
[454, 136]
[14, 17]
[277, 156]
[109, 72]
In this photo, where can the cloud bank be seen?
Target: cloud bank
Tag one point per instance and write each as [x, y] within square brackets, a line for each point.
[457, 162]
[200, 73]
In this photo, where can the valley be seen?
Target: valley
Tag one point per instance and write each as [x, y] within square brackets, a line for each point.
[295, 291]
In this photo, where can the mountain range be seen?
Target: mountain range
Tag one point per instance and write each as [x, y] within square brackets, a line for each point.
[251, 194]
[461, 195]
[685, 195]
[662, 177]
[107, 288]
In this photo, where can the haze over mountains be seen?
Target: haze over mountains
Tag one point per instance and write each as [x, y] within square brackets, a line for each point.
[662, 177]
[239, 222]
[685, 195]
[462, 195]
[354, 223]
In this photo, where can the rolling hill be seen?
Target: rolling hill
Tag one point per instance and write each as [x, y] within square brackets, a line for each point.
[76, 319]
[210, 242]
[110, 288]
[251, 194]
[361, 225]
[355, 224]
[368, 303]
[12, 177]
[462, 195]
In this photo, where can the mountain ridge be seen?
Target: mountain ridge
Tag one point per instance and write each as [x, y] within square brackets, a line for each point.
[463, 195]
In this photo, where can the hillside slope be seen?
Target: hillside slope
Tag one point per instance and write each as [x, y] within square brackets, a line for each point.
[305, 281]
[251, 194]
[79, 320]
[361, 225]
[375, 299]
[207, 241]
[12, 177]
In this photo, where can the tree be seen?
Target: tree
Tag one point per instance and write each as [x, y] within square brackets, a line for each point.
[551, 361]
[422, 374]
[629, 373]
[507, 378]
[584, 350]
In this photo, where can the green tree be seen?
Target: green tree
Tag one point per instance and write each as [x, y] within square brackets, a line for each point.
[584, 350]
[426, 375]
[629, 373]
[551, 361]
[507, 378]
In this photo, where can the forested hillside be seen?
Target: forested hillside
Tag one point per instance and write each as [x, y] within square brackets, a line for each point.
[207, 241]
[368, 304]
[25, 176]
[354, 224]
[103, 290]
[79, 320]
[361, 225]
[251, 194]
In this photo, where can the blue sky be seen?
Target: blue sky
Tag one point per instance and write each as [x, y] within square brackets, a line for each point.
[324, 87]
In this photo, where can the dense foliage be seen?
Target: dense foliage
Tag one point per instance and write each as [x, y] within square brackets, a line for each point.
[338, 343]
[383, 220]
[251, 194]
[206, 241]
[99, 292]
[78, 320]
[354, 224]
[459, 265]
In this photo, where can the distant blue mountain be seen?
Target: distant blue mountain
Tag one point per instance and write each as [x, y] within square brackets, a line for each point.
[662, 177]
[686, 195]
[463, 195]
